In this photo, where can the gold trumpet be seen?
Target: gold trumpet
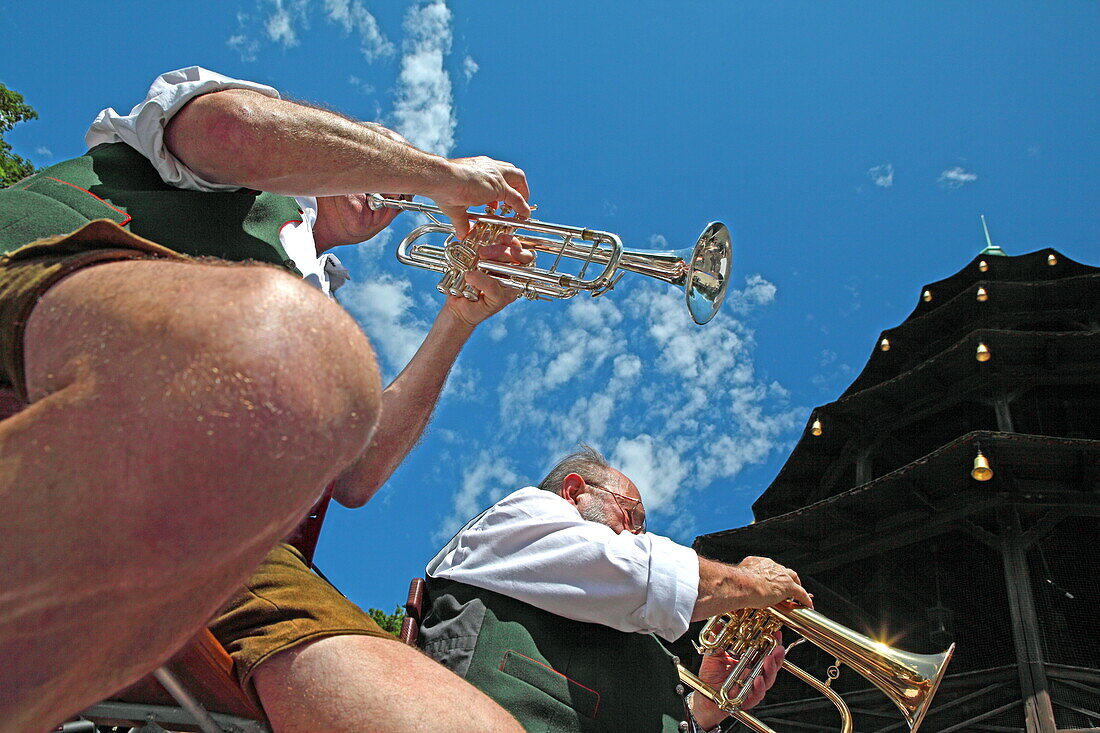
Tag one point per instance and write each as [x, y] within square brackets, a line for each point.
[910, 680]
[598, 258]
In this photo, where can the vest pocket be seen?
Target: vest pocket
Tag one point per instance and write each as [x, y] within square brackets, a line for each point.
[568, 692]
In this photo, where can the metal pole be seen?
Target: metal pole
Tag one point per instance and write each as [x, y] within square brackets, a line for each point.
[1038, 711]
[186, 701]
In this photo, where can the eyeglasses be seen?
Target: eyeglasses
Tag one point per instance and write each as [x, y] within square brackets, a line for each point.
[633, 509]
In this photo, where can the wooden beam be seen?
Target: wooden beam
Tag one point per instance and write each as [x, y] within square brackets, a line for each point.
[982, 535]
[820, 588]
[1043, 527]
[978, 718]
[903, 530]
[939, 709]
[1038, 711]
[1084, 711]
[1079, 686]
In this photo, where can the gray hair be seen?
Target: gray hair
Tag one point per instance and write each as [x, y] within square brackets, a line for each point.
[587, 463]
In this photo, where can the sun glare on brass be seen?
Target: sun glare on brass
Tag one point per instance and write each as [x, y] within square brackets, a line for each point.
[927, 296]
[982, 295]
[815, 429]
[884, 345]
[1052, 260]
[598, 259]
[981, 470]
[983, 266]
[983, 353]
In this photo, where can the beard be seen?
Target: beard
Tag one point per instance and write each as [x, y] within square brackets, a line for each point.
[596, 513]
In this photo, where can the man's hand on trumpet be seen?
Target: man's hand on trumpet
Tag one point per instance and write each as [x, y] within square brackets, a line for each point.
[481, 180]
[772, 583]
[755, 582]
[716, 668]
[494, 295]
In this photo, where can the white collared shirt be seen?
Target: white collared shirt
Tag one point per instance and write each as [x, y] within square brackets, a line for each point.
[534, 546]
[143, 130]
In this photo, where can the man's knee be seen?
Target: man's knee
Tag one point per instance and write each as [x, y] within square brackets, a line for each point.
[200, 333]
[221, 386]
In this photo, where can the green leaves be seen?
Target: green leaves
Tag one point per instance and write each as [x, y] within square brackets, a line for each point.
[390, 622]
[12, 111]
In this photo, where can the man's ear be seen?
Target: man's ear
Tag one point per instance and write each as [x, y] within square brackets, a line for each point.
[572, 486]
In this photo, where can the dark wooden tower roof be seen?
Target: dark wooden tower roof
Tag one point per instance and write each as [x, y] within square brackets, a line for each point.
[1039, 322]
[881, 511]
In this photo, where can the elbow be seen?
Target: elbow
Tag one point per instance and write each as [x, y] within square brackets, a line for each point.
[214, 133]
[355, 497]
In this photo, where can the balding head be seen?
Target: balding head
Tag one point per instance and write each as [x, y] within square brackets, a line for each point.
[600, 493]
[587, 463]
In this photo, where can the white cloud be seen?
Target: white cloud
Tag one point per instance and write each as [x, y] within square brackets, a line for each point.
[423, 109]
[656, 468]
[386, 310]
[882, 175]
[658, 241]
[285, 20]
[352, 16]
[469, 68]
[43, 151]
[377, 246]
[360, 86]
[497, 330]
[757, 292]
[244, 45]
[486, 479]
[462, 384]
[664, 399]
[956, 177]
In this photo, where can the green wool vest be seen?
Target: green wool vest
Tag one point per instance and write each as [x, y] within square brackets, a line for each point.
[553, 674]
[114, 181]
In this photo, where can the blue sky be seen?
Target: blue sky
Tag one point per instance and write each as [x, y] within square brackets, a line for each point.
[849, 146]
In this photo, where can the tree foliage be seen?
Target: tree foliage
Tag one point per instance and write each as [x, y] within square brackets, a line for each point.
[12, 111]
[391, 622]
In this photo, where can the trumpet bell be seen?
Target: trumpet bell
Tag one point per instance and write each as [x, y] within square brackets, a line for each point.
[919, 702]
[709, 272]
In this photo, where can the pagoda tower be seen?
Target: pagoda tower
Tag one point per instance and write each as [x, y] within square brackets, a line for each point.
[952, 494]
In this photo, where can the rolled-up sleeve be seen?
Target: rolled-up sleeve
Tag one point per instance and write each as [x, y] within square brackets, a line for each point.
[143, 128]
[535, 547]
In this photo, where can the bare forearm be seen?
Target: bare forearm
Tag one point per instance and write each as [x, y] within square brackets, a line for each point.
[243, 138]
[407, 405]
[722, 588]
[755, 582]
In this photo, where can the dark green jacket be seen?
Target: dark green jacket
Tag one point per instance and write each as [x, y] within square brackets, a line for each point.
[553, 674]
[114, 181]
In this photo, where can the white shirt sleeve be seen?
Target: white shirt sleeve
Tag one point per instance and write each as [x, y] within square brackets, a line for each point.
[143, 128]
[535, 547]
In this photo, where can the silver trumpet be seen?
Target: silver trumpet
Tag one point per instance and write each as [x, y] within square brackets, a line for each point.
[598, 258]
